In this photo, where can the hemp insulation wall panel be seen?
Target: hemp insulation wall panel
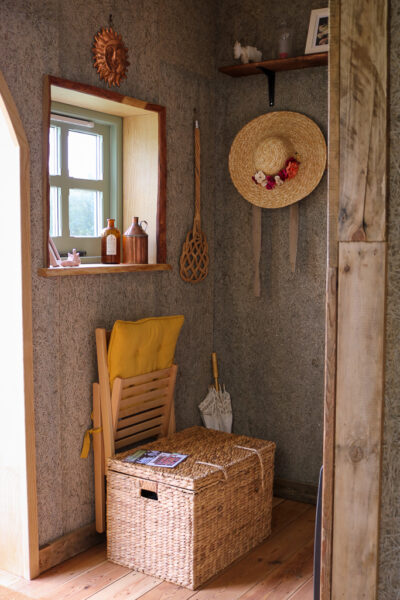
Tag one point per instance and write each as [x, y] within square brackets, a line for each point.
[171, 51]
[271, 348]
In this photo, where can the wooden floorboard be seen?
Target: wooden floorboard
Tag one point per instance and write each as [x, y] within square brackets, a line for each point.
[283, 581]
[278, 569]
[306, 592]
[87, 584]
[276, 501]
[132, 586]
[61, 574]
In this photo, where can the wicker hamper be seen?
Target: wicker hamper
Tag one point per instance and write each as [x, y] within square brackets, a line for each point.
[187, 523]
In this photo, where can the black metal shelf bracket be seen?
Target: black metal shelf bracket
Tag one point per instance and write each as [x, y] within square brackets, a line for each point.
[271, 84]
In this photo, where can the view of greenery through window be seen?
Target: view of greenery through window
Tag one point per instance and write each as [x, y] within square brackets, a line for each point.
[78, 184]
[84, 213]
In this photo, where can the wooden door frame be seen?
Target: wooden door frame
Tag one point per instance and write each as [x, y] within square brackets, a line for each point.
[28, 566]
[355, 298]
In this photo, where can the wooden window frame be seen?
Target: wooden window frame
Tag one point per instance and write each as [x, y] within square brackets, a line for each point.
[123, 101]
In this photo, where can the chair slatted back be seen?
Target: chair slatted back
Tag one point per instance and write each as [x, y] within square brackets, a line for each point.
[138, 408]
[142, 406]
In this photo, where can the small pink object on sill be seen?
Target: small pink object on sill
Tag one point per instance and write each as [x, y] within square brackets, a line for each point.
[73, 260]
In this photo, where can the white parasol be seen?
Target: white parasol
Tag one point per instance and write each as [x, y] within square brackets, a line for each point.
[216, 408]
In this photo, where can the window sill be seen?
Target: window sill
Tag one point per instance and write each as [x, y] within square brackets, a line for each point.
[100, 269]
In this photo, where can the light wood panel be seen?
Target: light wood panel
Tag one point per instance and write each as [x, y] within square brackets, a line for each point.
[97, 269]
[329, 432]
[331, 297]
[359, 401]
[333, 134]
[140, 174]
[355, 327]
[18, 497]
[97, 103]
[99, 466]
[105, 396]
[363, 115]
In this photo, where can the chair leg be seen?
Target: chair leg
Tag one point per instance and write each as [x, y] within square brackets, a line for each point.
[99, 473]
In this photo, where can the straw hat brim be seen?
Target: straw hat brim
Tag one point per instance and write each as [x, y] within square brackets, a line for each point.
[308, 142]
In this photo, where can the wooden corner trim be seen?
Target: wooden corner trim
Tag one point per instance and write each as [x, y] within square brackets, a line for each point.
[68, 546]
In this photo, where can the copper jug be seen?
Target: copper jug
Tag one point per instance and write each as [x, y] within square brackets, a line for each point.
[135, 243]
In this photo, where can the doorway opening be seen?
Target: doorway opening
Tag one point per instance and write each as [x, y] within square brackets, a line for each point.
[18, 518]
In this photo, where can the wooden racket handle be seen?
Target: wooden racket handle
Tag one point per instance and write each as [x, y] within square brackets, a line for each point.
[197, 218]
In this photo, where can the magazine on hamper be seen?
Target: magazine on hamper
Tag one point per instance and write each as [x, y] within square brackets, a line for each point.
[154, 458]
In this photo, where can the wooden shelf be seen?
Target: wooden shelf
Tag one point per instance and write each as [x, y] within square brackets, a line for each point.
[278, 64]
[99, 269]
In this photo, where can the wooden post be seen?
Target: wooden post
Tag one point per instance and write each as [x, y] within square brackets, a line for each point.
[355, 314]
[331, 300]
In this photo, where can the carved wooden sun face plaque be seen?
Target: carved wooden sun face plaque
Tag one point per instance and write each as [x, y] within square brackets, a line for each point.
[110, 56]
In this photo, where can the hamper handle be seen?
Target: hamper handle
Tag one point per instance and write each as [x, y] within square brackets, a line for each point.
[259, 458]
[200, 462]
[148, 489]
[149, 494]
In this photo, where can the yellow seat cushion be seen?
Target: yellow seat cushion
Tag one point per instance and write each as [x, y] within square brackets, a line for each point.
[139, 347]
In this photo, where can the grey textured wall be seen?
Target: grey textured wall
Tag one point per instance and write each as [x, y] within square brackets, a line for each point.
[271, 348]
[389, 588]
[171, 51]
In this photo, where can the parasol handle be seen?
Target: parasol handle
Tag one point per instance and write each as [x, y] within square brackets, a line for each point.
[215, 369]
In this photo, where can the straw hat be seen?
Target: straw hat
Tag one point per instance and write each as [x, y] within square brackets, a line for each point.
[265, 144]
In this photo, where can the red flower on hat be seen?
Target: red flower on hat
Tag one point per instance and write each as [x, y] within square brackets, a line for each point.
[292, 167]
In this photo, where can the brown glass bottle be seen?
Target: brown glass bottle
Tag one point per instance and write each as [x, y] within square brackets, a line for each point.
[110, 244]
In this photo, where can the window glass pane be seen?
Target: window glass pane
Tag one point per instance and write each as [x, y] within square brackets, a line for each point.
[55, 212]
[85, 213]
[85, 155]
[54, 154]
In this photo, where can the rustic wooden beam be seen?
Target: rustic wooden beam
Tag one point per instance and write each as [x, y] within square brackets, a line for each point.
[355, 314]
[329, 433]
[359, 402]
[363, 116]
[331, 299]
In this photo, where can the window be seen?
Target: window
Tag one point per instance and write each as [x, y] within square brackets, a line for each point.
[85, 184]
[136, 162]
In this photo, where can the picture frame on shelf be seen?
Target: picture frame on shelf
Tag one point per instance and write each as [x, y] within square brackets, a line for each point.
[318, 31]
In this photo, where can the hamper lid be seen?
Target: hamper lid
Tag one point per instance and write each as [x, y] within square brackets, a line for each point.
[212, 456]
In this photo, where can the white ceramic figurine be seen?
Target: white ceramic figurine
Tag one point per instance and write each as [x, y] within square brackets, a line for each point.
[246, 53]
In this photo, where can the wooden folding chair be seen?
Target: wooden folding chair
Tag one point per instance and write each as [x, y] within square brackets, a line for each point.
[138, 408]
